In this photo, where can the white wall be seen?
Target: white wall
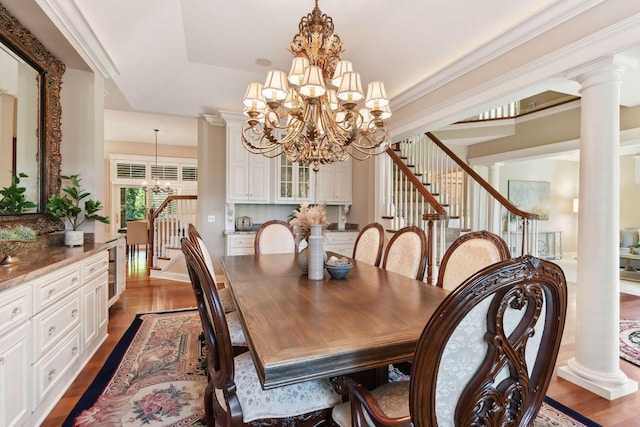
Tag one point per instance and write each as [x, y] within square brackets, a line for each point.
[82, 147]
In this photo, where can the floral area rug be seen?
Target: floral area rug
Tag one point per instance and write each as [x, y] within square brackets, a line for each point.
[154, 377]
[630, 341]
[551, 414]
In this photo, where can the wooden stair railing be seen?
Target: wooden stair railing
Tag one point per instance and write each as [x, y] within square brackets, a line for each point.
[427, 185]
[167, 224]
[415, 204]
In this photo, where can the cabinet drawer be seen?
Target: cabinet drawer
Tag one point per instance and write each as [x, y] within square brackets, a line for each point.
[95, 265]
[51, 288]
[53, 323]
[241, 251]
[57, 362]
[343, 238]
[242, 241]
[15, 306]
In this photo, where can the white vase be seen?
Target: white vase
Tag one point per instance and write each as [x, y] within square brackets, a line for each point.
[74, 238]
[316, 253]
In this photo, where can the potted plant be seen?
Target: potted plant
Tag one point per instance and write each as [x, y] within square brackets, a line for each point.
[13, 200]
[75, 206]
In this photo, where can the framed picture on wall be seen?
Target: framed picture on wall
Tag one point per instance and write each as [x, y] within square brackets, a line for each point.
[531, 196]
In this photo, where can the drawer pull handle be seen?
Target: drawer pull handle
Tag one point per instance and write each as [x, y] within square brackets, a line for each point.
[51, 292]
[52, 373]
[74, 351]
[52, 330]
[74, 280]
[92, 270]
[74, 312]
[16, 311]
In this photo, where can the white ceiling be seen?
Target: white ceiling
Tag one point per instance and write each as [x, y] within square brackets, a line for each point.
[172, 61]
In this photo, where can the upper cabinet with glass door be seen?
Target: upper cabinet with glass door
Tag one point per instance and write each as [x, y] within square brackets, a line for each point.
[293, 181]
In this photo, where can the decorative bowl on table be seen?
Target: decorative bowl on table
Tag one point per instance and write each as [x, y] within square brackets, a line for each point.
[338, 268]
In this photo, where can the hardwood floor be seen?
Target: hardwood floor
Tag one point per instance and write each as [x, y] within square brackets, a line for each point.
[144, 295]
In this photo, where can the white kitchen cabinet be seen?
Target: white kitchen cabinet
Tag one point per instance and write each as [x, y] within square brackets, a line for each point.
[333, 185]
[293, 181]
[239, 244]
[341, 242]
[50, 326]
[247, 173]
[15, 356]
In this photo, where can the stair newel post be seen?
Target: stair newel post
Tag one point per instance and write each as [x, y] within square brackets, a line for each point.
[429, 249]
[151, 238]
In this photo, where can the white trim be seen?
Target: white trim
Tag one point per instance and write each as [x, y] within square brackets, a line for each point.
[530, 78]
[67, 17]
[542, 21]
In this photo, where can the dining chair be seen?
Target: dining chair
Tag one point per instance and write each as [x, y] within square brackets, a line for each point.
[225, 293]
[137, 234]
[485, 357]
[238, 340]
[234, 395]
[406, 252]
[275, 237]
[468, 254]
[369, 243]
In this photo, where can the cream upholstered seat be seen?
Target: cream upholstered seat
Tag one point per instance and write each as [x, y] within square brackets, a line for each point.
[406, 253]
[137, 234]
[468, 355]
[368, 246]
[225, 294]
[275, 237]
[469, 253]
[235, 327]
[234, 395]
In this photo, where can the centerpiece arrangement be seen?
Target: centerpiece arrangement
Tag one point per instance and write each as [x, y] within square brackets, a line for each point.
[67, 206]
[309, 223]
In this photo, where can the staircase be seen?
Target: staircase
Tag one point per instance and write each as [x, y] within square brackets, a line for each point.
[428, 186]
[167, 225]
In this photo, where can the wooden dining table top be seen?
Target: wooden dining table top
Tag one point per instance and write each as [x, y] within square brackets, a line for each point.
[299, 329]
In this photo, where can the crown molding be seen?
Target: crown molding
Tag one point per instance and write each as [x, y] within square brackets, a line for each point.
[611, 39]
[537, 24]
[67, 17]
[214, 119]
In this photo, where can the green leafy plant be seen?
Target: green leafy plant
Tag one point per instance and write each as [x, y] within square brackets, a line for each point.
[13, 200]
[69, 205]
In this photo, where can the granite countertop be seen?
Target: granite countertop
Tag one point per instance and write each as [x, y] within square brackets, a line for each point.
[333, 227]
[46, 255]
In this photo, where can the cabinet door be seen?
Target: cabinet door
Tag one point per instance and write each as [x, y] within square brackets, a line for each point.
[334, 183]
[342, 173]
[258, 177]
[237, 166]
[293, 181]
[14, 376]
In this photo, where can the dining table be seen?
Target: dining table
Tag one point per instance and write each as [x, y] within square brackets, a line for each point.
[299, 329]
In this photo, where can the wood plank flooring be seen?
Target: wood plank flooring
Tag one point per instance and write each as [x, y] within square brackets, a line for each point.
[144, 295]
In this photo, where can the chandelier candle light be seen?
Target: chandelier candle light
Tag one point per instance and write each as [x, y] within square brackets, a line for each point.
[157, 188]
[299, 116]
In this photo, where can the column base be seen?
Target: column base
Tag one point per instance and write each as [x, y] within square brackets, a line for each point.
[606, 388]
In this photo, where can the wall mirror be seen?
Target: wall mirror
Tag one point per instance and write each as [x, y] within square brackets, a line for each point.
[30, 114]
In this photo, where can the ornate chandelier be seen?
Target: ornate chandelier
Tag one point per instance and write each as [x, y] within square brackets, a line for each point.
[157, 187]
[296, 114]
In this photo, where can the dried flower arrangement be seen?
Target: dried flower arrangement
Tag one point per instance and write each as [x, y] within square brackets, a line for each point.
[306, 216]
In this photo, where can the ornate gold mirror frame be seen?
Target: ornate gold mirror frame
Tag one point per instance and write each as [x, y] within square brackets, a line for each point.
[20, 40]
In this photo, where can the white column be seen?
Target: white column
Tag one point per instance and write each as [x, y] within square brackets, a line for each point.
[596, 364]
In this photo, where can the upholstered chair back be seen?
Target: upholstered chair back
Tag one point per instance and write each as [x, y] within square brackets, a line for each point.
[406, 253]
[275, 237]
[369, 244]
[485, 357]
[468, 254]
[510, 309]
